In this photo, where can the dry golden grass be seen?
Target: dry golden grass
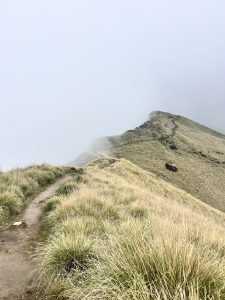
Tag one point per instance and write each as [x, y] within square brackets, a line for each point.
[18, 184]
[122, 233]
[200, 154]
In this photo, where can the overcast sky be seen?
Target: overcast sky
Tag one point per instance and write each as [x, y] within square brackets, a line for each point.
[75, 70]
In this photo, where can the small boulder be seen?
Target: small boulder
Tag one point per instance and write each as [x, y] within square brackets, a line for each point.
[173, 147]
[171, 167]
[19, 224]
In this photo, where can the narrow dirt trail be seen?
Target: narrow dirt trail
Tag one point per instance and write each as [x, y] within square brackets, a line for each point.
[175, 126]
[16, 266]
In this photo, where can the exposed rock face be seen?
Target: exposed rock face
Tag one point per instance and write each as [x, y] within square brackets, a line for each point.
[171, 167]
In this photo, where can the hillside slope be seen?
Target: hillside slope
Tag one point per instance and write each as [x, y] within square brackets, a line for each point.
[119, 232]
[198, 152]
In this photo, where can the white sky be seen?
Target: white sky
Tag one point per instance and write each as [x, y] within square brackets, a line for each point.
[75, 70]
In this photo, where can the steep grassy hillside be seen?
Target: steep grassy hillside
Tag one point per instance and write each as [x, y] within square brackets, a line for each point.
[117, 232]
[198, 152]
[19, 184]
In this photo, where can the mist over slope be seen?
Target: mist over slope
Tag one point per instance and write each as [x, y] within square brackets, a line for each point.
[198, 152]
[99, 148]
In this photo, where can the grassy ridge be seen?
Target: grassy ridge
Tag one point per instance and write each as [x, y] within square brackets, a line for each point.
[197, 151]
[121, 233]
[18, 184]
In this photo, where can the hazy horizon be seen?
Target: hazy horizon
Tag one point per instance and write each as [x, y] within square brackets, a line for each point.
[74, 71]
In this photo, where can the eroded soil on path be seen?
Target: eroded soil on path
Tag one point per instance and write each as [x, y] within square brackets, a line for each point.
[16, 263]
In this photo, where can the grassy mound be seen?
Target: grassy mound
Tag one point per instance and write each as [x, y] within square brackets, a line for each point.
[122, 233]
[18, 184]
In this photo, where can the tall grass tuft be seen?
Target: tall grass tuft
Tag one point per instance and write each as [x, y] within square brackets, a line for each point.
[66, 254]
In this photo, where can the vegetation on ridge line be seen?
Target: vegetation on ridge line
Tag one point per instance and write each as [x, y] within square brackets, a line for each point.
[122, 233]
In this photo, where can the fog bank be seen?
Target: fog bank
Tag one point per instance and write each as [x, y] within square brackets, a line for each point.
[74, 71]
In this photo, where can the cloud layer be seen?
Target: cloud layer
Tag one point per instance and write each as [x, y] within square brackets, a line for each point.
[74, 71]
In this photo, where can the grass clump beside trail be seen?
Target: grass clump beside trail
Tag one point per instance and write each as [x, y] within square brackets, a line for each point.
[122, 233]
[18, 184]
